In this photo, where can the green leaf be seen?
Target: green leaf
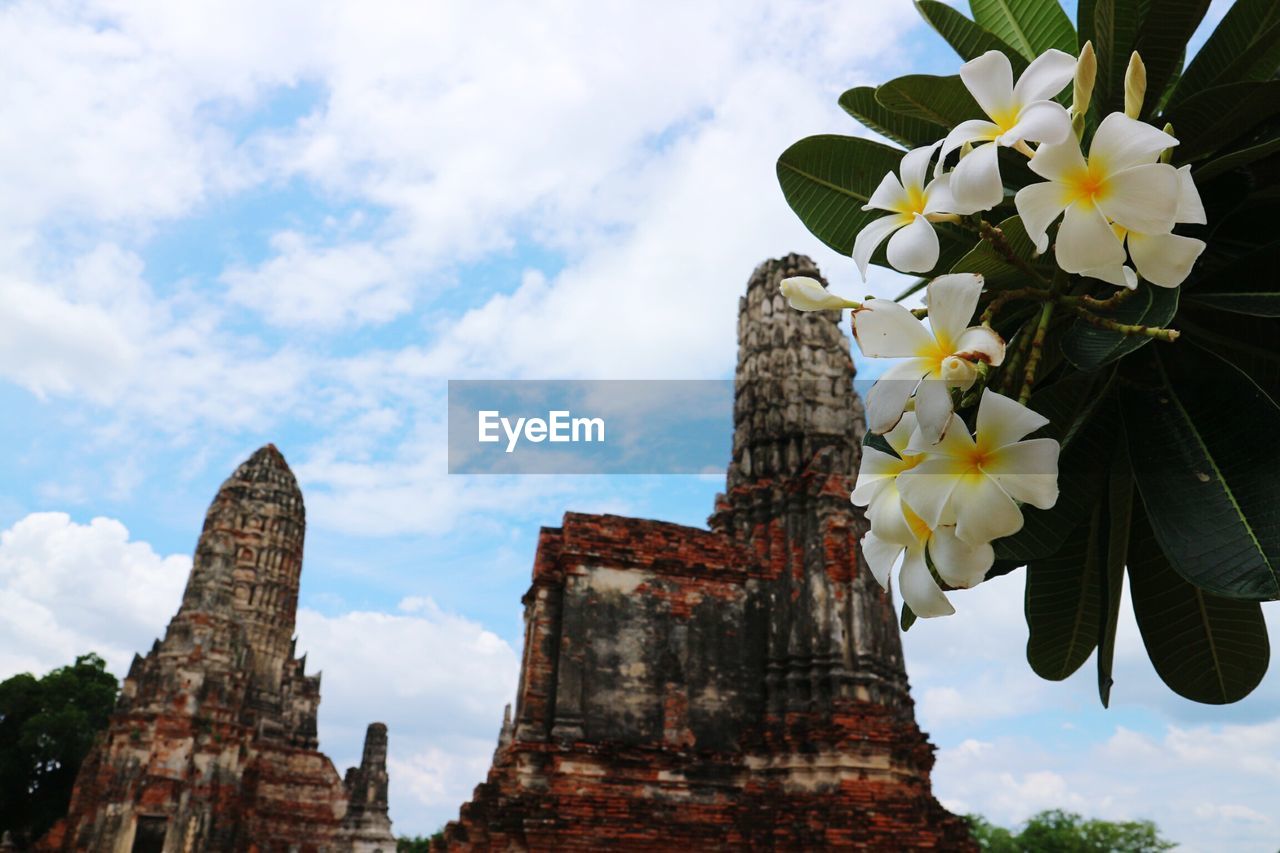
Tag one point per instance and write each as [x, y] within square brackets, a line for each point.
[1111, 586]
[1113, 27]
[908, 618]
[1211, 120]
[1245, 341]
[912, 132]
[941, 100]
[1030, 26]
[1235, 160]
[1246, 285]
[999, 273]
[1204, 647]
[966, 37]
[1244, 46]
[1162, 42]
[827, 180]
[1202, 437]
[1088, 347]
[1063, 603]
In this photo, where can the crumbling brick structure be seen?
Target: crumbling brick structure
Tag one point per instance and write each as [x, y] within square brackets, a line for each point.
[213, 744]
[738, 688]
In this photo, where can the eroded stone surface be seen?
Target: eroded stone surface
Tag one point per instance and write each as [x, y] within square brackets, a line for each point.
[213, 743]
[737, 688]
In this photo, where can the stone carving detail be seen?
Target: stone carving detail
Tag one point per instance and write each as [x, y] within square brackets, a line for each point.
[738, 688]
[213, 743]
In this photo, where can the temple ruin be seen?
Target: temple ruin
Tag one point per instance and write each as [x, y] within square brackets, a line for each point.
[213, 743]
[737, 688]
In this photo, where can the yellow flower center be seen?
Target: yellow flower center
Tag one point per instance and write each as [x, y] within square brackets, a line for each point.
[916, 524]
[914, 203]
[1085, 186]
[1005, 119]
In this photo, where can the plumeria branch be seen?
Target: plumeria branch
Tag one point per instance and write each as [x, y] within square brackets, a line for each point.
[1036, 353]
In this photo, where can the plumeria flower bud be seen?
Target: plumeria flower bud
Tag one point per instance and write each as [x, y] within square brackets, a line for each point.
[1086, 73]
[1017, 114]
[914, 245]
[975, 481]
[1166, 156]
[1135, 86]
[885, 329]
[807, 294]
[1117, 184]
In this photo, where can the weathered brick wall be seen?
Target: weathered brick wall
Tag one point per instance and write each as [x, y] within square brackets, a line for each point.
[737, 688]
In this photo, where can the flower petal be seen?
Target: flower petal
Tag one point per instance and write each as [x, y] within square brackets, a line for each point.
[880, 556]
[889, 195]
[807, 294]
[975, 181]
[884, 329]
[933, 408]
[956, 442]
[1046, 76]
[915, 165]
[888, 397]
[1122, 276]
[952, 299]
[876, 470]
[1144, 198]
[938, 197]
[960, 564]
[1027, 471]
[1121, 143]
[1058, 162]
[979, 343]
[1164, 259]
[927, 488]
[871, 236]
[914, 248]
[888, 522]
[919, 590]
[1039, 205]
[989, 78]
[1040, 121]
[1086, 241]
[1190, 207]
[900, 436]
[983, 510]
[1003, 421]
[966, 131]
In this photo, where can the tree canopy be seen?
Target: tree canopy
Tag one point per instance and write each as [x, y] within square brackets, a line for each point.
[1058, 831]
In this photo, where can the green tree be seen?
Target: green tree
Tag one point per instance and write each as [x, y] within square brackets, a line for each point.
[1058, 831]
[47, 726]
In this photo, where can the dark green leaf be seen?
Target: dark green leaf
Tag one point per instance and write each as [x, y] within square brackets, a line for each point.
[1202, 438]
[941, 100]
[1088, 347]
[1246, 285]
[1063, 602]
[1030, 26]
[1211, 120]
[1235, 160]
[966, 37]
[827, 180]
[999, 273]
[1244, 46]
[1204, 647]
[1111, 585]
[1113, 27]
[908, 617]
[912, 132]
[1162, 42]
[879, 442]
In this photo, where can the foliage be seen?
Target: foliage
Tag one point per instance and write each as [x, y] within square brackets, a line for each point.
[47, 726]
[418, 843]
[1165, 399]
[1057, 831]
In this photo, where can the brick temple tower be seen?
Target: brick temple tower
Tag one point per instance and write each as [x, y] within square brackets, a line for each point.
[738, 688]
[213, 743]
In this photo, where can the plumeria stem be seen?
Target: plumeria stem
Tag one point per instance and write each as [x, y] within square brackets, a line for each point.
[1004, 296]
[1037, 351]
[1013, 364]
[1160, 334]
[996, 238]
[1113, 301]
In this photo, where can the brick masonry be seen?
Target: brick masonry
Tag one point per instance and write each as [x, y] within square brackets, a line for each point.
[737, 688]
[213, 743]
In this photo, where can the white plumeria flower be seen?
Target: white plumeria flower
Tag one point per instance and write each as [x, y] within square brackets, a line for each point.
[1018, 113]
[1162, 259]
[876, 487]
[974, 481]
[943, 356]
[805, 293]
[1118, 184]
[914, 248]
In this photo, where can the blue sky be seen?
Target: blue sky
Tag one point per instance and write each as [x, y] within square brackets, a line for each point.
[229, 225]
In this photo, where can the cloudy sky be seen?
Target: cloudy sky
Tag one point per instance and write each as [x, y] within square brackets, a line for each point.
[232, 223]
